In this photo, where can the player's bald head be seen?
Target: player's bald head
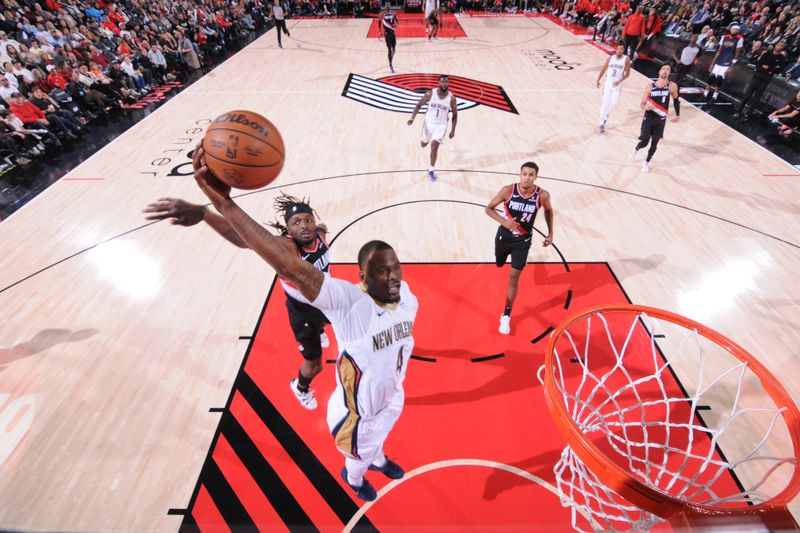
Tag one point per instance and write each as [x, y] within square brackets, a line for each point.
[368, 249]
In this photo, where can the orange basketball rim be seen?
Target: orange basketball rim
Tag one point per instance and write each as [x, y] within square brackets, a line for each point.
[649, 497]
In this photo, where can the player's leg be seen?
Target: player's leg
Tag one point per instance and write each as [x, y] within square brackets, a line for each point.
[604, 109]
[387, 420]
[644, 137]
[656, 135]
[306, 330]
[708, 85]
[501, 248]
[278, 24]
[391, 43]
[434, 152]
[434, 156]
[613, 97]
[519, 258]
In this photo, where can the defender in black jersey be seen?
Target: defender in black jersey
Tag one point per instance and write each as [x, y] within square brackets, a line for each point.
[655, 103]
[304, 238]
[386, 28]
[521, 202]
[433, 22]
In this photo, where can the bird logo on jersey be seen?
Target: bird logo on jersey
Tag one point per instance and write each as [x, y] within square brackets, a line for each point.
[400, 93]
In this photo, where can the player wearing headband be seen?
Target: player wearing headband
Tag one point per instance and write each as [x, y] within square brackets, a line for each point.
[305, 238]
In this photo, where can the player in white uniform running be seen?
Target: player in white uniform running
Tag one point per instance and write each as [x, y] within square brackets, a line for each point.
[373, 322]
[440, 103]
[616, 69]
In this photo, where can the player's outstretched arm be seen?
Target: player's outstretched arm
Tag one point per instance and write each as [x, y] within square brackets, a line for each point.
[271, 248]
[422, 102]
[185, 213]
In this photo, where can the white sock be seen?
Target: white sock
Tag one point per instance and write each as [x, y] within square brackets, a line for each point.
[353, 481]
[430, 169]
[380, 463]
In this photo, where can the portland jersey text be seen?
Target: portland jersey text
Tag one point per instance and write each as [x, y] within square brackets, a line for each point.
[522, 209]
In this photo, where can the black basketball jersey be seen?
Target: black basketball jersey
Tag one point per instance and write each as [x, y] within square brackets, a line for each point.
[522, 209]
[659, 99]
[389, 21]
[316, 254]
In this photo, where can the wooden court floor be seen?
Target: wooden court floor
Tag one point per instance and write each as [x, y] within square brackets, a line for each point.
[119, 335]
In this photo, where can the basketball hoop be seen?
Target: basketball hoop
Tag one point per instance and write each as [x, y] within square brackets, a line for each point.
[666, 419]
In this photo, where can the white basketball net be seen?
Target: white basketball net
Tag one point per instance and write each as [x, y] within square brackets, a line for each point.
[631, 406]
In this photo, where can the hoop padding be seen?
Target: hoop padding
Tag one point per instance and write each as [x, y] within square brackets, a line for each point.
[641, 447]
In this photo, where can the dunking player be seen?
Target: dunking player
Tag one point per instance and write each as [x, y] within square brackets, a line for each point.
[373, 322]
[386, 29]
[305, 238]
[440, 103]
[617, 69]
[521, 202]
[730, 46]
[655, 103]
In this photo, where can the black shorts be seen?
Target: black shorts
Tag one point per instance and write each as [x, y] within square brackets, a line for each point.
[652, 127]
[506, 243]
[391, 39]
[307, 323]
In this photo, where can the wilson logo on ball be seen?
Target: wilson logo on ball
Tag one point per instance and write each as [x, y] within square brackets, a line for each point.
[244, 149]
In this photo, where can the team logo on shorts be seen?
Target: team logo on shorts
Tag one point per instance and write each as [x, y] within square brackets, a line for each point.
[401, 92]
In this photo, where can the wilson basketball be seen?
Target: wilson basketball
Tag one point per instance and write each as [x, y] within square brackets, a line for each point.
[244, 149]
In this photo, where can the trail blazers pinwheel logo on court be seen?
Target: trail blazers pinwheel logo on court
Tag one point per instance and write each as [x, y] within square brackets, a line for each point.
[400, 93]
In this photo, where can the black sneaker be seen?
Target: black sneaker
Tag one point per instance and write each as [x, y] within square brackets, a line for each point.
[391, 469]
[366, 491]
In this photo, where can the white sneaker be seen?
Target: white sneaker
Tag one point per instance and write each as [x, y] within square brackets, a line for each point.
[323, 340]
[306, 399]
[645, 167]
[505, 325]
[632, 155]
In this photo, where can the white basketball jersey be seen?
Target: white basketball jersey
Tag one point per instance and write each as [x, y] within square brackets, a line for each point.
[438, 108]
[375, 342]
[616, 68]
[430, 5]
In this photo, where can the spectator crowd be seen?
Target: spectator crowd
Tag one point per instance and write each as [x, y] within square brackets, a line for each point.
[64, 63]
[762, 36]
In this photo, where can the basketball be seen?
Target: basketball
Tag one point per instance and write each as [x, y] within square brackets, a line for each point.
[244, 149]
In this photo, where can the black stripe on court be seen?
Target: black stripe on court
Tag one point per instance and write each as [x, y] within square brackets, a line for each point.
[575, 360]
[189, 525]
[660, 336]
[421, 358]
[225, 498]
[543, 334]
[488, 357]
[245, 337]
[180, 512]
[703, 407]
[334, 494]
[330, 361]
[569, 299]
[216, 410]
[265, 476]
